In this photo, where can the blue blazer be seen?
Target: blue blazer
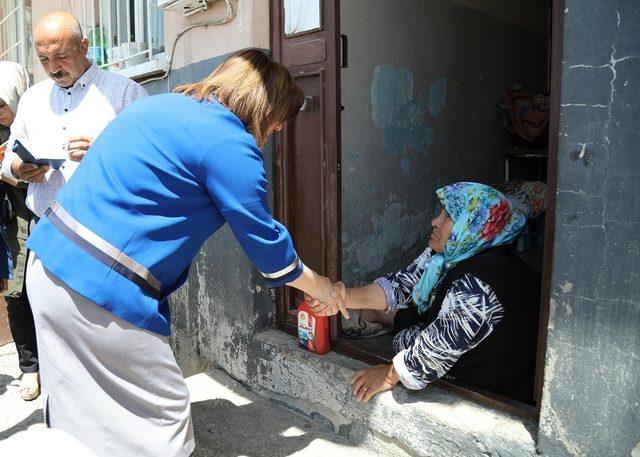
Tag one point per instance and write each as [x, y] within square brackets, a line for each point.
[165, 175]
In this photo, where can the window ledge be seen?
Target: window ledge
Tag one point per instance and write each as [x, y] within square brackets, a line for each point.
[159, 64]
[417, 421]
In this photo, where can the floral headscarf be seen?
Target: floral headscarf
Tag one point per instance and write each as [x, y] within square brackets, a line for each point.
[483, 218]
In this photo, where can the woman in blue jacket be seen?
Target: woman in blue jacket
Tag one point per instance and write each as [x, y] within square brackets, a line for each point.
[161, 179]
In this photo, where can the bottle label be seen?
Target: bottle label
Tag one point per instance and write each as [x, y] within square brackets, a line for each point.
[306, 330]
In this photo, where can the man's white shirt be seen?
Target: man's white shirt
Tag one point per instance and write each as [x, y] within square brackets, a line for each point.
[49, 115]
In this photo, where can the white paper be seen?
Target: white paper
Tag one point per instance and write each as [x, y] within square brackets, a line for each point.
[46, 150]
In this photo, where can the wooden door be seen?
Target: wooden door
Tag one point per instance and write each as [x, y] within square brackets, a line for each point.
[306, 152]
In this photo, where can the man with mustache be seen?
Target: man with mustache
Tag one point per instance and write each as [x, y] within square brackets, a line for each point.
[65, 111]
[61, 114]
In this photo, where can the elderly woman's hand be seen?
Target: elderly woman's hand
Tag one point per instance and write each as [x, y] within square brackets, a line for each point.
[336, 304]
[368, 382]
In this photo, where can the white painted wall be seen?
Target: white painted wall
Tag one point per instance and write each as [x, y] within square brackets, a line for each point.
[249, 29]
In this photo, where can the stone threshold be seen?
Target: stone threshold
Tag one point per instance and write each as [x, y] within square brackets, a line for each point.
[428, 422]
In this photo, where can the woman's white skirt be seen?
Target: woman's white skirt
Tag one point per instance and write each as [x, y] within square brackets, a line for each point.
[113, 386]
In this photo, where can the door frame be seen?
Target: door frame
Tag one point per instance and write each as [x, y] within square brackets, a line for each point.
[555, 92]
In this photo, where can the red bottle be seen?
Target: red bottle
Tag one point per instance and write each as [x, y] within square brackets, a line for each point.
[313, 331]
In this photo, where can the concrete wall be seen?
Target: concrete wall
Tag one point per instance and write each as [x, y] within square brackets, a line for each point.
[420, 95]
[591, 403]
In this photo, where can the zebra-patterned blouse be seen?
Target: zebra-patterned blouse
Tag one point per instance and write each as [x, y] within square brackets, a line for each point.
[470, 311]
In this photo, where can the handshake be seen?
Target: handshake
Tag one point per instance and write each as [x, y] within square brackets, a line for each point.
[330, 303]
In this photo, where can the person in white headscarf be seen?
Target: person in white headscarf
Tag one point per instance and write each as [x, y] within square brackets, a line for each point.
[15, 218]
[14, 80]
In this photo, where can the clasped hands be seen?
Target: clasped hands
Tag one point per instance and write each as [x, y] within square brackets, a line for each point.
[335, 303]
[30, 172]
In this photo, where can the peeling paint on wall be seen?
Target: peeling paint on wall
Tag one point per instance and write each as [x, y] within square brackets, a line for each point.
[430, 134]
[551, 421]
[405, 165]
[395, 110]
[567, 287]
[437, 96]
[393, 230]
[392, 87]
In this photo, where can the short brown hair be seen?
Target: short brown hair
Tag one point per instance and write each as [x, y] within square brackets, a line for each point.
[258, 90]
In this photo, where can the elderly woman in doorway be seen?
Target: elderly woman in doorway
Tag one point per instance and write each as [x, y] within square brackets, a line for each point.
[121, 235]
[466, 308]
[16, 217]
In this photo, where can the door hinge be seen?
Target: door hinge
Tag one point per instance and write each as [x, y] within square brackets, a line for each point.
[344, 54]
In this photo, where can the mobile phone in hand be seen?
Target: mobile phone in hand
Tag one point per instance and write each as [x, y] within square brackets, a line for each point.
[27, 157]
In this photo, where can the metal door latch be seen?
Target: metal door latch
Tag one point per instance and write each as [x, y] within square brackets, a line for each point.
[307, 104]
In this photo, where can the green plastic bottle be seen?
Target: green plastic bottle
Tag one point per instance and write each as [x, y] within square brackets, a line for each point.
[97, 45]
